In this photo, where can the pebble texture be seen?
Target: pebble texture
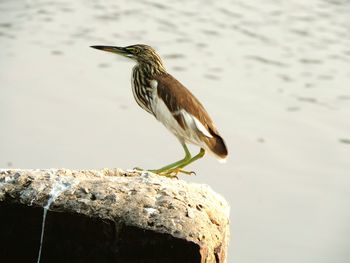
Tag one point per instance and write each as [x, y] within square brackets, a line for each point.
[161, 218]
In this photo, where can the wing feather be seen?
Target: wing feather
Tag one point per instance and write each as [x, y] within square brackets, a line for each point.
[178, 98]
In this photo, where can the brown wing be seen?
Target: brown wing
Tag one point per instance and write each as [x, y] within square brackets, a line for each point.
[177, 97]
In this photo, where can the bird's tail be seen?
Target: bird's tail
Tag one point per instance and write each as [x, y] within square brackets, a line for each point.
[217, 146]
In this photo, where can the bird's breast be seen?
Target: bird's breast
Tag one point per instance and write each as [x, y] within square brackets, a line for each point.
[142, 92]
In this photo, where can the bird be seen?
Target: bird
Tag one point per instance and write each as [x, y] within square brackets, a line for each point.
[170, 102]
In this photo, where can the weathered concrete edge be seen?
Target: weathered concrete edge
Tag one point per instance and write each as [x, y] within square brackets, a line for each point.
[185, 210]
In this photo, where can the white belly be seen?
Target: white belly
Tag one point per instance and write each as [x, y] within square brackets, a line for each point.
[189, 135]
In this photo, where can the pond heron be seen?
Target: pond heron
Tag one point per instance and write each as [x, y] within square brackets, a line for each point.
[160, 94]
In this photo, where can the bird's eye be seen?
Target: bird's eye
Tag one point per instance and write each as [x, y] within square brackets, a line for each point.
[133, 50]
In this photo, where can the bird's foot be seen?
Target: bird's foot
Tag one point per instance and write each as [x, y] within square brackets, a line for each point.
[172, 173]
[179, 170]
[169, 174]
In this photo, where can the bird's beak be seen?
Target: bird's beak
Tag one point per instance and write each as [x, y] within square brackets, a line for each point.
[117, 50]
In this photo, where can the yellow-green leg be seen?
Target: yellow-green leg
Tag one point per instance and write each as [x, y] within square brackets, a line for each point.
[173, 169]
[171, 166]
[194, 158]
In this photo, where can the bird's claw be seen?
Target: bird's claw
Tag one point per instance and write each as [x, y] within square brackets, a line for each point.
[188, 172]
[169, 174]
[174, 172]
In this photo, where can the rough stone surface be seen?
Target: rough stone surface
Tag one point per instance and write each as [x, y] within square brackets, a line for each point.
[110, 216]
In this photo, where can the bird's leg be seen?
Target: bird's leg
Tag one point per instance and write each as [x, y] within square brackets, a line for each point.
[178, 169]
[169, 168]
[172, 172]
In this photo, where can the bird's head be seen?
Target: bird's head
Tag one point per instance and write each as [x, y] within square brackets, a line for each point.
[142, 54]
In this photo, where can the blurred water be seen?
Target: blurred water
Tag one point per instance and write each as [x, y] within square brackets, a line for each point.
[274, 75]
